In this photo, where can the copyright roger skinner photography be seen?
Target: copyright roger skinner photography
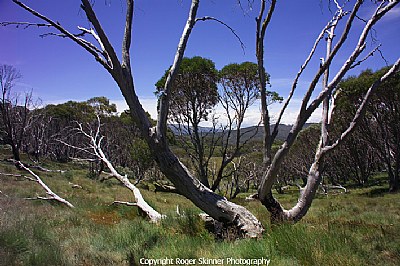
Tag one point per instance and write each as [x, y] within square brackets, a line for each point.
[199, 132]
[205, 261]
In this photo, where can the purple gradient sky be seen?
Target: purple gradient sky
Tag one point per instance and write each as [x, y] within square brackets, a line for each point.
[58, 70]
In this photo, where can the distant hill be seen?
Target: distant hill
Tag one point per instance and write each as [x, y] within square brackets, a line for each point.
[248, 132]
[258, 132]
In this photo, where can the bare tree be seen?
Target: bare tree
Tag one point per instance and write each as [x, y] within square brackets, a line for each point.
[93, 148]
[14, 113]
[308, 106]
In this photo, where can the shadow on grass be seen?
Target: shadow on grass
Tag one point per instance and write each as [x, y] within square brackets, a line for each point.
[376, 192]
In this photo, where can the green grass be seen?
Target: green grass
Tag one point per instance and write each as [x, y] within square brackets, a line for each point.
[358, 228]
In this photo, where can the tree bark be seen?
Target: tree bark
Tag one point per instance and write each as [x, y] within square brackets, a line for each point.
[213, 204]
[394, 183]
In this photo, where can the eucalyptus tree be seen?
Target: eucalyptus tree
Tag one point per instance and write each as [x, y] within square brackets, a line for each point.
[379, 130]
[194, 94]
[102, 106]
[240, 89]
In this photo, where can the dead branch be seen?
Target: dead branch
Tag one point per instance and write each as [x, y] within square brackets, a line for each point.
[363, 106]
[75, 185]
[366, 57]
[332, 22]
[165, 188]
[18, 175]
[43, 169]
[164, 100]
[74, 37]
[326, 188]
[226, 25]
[50, 194]
[25, 25]
[93, 148]
[252, 197]
[117, 202]
[308, 108]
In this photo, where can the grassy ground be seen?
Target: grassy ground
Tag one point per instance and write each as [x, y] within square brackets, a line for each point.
[358, 228]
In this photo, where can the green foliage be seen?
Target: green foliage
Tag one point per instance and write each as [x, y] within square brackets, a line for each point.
[102, 105]
[243, 81]
[194, 91]
[188, 223]
[14, 243]
[127, 119]
[69, 175]
[375, 143]
[351, 90]
[141, 154]
[71, 111]
[26, 242]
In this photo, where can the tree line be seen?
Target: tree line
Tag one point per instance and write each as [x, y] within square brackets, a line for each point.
[219, 155]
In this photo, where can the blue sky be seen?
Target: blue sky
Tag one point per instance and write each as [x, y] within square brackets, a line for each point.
[58, 70]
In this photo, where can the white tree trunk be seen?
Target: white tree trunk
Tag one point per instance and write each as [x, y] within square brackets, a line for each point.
[50, 194]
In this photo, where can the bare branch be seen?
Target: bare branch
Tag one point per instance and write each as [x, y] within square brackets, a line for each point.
[83, 33]
[117, 202]
[226, 25]
[380, 11]
[97, 38]
[25, 25]
[1, 192]
[366, 57]
[90, 14]
[127, 36]
[94, 139]
[362, 108]
[165, 96]
[18, 175]
[333, 21]
[85, 150]
[260, 34]
[305, 111]
[62, 30]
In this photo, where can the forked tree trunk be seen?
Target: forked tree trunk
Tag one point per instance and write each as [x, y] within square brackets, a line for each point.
[213, 204]
[278, 213]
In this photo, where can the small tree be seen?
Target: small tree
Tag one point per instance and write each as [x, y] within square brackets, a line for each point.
[240, 88]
